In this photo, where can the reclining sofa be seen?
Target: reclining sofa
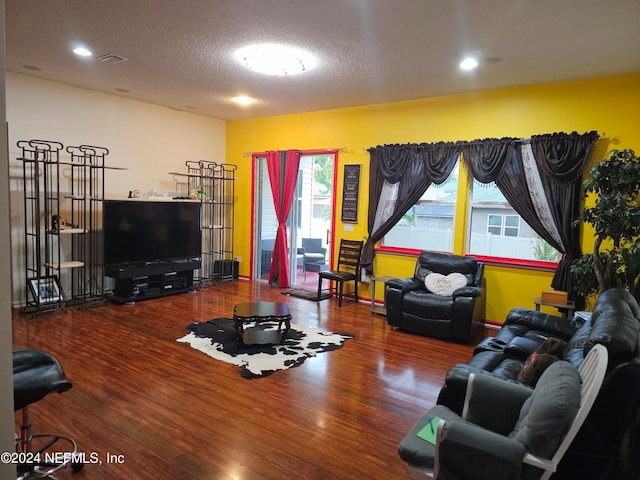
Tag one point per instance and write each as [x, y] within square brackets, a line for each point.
[606, 446]
[444, 299]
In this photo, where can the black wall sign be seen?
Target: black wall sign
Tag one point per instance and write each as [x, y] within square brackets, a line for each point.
[350, 188]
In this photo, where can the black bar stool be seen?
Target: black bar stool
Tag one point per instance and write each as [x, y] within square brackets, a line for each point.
[35, 375]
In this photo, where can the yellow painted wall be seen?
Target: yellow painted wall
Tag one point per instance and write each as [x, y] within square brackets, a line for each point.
[604, 104]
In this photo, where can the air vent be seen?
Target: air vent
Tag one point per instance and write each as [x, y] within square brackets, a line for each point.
[112, 58]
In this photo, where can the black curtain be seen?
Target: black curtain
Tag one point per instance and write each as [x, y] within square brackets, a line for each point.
[414, 167]
[487, 159]
[500, 161]
[561, 159]
[513, 185]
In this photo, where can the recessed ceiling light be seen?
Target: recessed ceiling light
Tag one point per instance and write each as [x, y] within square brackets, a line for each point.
[243, 100]
[82, 51]
[468, 63]
[272, 59]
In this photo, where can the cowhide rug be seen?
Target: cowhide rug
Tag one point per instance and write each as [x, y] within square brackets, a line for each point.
[217, 338]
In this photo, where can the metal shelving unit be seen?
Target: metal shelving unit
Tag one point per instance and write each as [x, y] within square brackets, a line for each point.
[42, 258]
[62, 230]
[87, 176]
[214, 185]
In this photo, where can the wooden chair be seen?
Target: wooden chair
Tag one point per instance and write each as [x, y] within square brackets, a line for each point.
[347, 269]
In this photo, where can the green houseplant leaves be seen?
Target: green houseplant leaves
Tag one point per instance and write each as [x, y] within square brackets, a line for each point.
[615, 216]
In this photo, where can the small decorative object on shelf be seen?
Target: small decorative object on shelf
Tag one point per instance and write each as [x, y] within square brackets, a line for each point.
[197, 194]
[556, 299]
[46, 290]
[554, 296]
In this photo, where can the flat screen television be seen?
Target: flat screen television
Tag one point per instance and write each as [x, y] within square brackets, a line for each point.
[141, 231]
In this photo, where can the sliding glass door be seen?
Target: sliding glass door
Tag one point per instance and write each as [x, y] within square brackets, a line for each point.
[310, 217]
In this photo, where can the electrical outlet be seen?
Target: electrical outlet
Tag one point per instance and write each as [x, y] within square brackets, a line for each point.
[238, 259]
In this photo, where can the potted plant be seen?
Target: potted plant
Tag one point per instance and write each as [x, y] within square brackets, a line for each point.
[615, 217]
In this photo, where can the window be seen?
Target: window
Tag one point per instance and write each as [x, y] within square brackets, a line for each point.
[506, 225]
[429, 224]
[511, 225]
[494, 224]
[496, 229]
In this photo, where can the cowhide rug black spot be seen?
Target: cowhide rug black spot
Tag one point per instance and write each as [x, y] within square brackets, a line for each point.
[217, 338]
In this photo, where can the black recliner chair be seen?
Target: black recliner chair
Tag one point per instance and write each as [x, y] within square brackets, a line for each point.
[451, 314]
[35, 375]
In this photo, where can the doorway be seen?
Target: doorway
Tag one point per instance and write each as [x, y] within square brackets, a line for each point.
[311, 216]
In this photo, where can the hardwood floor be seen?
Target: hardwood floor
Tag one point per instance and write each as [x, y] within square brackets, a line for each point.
[171, 412]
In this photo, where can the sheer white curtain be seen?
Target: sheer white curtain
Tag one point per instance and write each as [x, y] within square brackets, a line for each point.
[536, 193]
[386, 205]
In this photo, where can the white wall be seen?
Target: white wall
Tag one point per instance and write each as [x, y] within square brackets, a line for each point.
[149, 140]
[7, 426]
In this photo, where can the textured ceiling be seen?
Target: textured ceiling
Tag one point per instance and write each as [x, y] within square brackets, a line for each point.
[181, 52]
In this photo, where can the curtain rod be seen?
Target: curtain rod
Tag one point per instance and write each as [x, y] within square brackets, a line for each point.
[467, 142]
[304, 152]
[528, 139]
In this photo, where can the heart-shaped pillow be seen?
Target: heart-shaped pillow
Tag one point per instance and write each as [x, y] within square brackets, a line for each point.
[444, 285]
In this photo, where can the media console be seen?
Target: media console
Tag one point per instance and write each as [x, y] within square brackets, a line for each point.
[143, 281]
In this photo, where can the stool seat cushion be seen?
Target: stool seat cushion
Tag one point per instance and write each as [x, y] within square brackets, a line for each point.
[35, 375]
[338, 275]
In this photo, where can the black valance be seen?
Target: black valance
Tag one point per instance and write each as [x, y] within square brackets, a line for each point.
[413, 167]
[558, 162]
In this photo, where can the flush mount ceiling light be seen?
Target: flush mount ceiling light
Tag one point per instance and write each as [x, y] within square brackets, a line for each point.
[272, 59]
[243, 100]
[82, 52]
[468, 63]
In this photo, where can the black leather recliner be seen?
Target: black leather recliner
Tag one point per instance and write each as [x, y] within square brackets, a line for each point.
[413, 308]
[608, 443]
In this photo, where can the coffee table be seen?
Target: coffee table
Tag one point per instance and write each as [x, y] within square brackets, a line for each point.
[261, 312]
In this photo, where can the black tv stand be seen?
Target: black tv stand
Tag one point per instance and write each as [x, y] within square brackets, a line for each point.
[147, 280]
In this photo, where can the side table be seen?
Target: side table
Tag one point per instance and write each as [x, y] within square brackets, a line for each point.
[570, 306]
[383, 279]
